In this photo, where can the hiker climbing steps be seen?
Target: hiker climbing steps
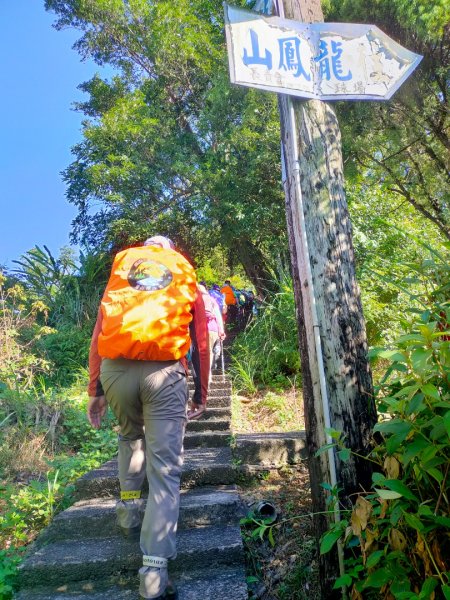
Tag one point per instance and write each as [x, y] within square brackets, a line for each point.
[81, 555]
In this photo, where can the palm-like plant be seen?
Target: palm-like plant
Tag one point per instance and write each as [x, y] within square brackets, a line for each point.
[42, 274]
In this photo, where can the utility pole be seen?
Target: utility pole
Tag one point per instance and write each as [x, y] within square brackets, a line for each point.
[295, 53]
[337, 382]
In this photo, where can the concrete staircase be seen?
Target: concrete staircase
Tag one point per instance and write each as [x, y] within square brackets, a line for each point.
[81, 555]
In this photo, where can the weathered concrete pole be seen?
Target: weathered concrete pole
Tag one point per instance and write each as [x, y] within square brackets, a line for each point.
[329, 311]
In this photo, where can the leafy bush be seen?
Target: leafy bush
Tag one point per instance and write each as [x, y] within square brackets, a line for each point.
[19, 327]
[77, 435]
[397, 538]
[66, 350]
[47, 313]
[267, 353]
[40, 457]
[9, 561]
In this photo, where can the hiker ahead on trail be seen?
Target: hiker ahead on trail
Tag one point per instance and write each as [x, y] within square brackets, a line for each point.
[249, 306]
[150, 312]
[214, 321]
[230, 300]
[215, 293]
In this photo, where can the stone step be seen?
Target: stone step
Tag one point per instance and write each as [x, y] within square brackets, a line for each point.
[208, 584]
[216, 393]
[207, 439]
[219, 379]
[96, 518]
[223, 413]
[271, 449]
[216, 376]
[214, 386]
[209, 425]
[217, 399]
[222, 401]
[208, 466]
[202, 467]
[66, 561]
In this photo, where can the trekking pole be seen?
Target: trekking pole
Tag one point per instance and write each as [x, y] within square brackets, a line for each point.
[223, 361]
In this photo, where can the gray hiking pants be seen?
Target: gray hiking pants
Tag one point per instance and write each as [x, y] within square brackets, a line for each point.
[149, 399]
[213, 338]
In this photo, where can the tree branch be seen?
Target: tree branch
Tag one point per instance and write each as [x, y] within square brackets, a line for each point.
[403, 191]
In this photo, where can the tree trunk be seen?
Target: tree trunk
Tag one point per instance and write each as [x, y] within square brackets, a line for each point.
[339, 311]
[320, 200]
[255, 267]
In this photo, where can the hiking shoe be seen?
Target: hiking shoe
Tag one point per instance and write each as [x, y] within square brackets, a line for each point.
[155, 580]
[130, 533]
[170, 593]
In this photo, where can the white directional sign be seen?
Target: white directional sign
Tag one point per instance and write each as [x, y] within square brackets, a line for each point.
[329, 61]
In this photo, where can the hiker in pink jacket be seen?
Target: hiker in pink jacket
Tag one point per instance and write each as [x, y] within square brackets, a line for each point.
[214, 321]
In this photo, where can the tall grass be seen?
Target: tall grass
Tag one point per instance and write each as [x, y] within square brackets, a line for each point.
[266, 354]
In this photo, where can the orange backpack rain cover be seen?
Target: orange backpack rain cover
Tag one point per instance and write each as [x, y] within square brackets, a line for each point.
[146, 305]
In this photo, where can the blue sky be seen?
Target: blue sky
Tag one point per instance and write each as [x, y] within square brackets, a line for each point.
[39, 75]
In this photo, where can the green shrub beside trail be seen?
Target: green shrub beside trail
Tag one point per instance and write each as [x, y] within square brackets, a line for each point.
[396, 537]
[266, 353]
[46, 443]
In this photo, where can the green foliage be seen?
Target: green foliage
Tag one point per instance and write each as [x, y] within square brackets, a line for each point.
[37, 502]
[42, 274]
[396, 262]
[170, 142]
[65, 293]
[397, 538]
[47, 318]
[79, 297]
[171, 147]
[19, 327]
[67, 349]
[399, 149]
[427, 18]
[257, 527]
[78, 436]
[266, 353]
[214, 268]
[9, 561]
[244, 371]
[33, 408]
[42, 425]
[67, 447]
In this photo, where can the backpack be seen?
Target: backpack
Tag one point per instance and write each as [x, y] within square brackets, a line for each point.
[249, 302]
[229, 293]
[241, 297]
[209, 307]
[218, 297]
[146, 306]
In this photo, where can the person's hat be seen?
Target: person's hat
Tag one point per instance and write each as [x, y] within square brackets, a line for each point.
[160, 240]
